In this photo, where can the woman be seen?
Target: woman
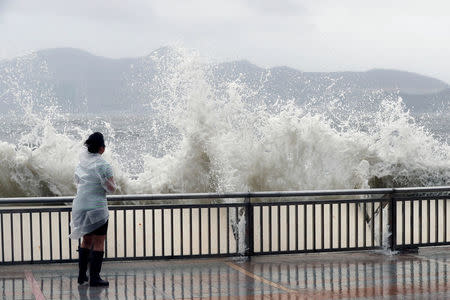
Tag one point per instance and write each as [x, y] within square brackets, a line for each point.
[94, 178]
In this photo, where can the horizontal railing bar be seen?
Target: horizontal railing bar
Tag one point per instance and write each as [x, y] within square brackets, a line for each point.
[216, 255]
[187, 196]
[419, 198]
[416, 245]
[36, 200]
[23, 210]
[318, 250]
[320, 201]
[204, 205]
[174, 206]
[277, 194]
[160, 257]
[123, 207]
[422, 189]
[342, 249]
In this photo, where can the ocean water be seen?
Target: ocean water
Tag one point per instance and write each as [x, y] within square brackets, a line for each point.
[195, 138]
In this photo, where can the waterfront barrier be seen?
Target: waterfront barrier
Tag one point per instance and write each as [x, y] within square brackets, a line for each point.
[35, 230]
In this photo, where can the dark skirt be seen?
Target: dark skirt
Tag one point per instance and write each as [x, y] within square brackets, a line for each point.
[101, 230]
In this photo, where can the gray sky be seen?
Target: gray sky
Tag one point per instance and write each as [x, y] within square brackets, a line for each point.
[311, 35]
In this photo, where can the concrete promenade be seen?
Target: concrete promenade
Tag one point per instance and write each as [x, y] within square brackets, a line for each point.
[355, 275]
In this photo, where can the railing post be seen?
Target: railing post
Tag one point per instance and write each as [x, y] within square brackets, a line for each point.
[249, 229]
[392, 221]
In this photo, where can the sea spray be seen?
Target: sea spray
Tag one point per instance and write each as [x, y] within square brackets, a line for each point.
[39, 159]
[222, 142]
[383, 233]
[203, 135]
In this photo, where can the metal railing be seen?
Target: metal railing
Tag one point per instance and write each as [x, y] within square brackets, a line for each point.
[36, 229]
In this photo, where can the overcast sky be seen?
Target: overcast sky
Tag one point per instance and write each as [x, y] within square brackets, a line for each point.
[310, 35]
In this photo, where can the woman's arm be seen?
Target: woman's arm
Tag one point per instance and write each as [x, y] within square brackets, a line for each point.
[76, 179]
[110, 185]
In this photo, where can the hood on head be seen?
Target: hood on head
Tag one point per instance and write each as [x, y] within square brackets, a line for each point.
[87, 158]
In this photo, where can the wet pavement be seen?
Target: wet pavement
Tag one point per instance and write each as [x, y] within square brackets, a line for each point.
[356, 275]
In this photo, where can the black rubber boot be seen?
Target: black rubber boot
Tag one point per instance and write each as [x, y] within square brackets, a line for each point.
[83, 259]
[96, 267]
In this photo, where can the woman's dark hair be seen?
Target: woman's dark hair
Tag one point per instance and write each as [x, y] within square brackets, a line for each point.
[94, 142]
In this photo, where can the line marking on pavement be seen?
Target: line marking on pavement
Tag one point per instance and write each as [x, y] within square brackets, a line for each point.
[34, 285]
[259, 278]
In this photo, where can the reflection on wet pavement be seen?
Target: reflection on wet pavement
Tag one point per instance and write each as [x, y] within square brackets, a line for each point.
[361, 275]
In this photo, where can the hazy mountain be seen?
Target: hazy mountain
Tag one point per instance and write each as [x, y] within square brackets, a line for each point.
[420, 93]
[82, 82]
[80, 76]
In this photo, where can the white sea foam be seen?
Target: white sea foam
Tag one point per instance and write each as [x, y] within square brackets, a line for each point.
[215, 139]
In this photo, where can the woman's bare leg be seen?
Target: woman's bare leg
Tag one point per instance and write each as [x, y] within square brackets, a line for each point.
[87, 241]
[99, 242]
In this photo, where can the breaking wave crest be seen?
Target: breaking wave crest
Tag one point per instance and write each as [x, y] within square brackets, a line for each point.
[202, 135]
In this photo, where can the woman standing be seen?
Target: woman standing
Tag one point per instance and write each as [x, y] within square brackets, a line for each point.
[94, 178]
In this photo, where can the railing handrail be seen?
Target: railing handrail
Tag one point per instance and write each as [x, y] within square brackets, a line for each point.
[187, 196]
